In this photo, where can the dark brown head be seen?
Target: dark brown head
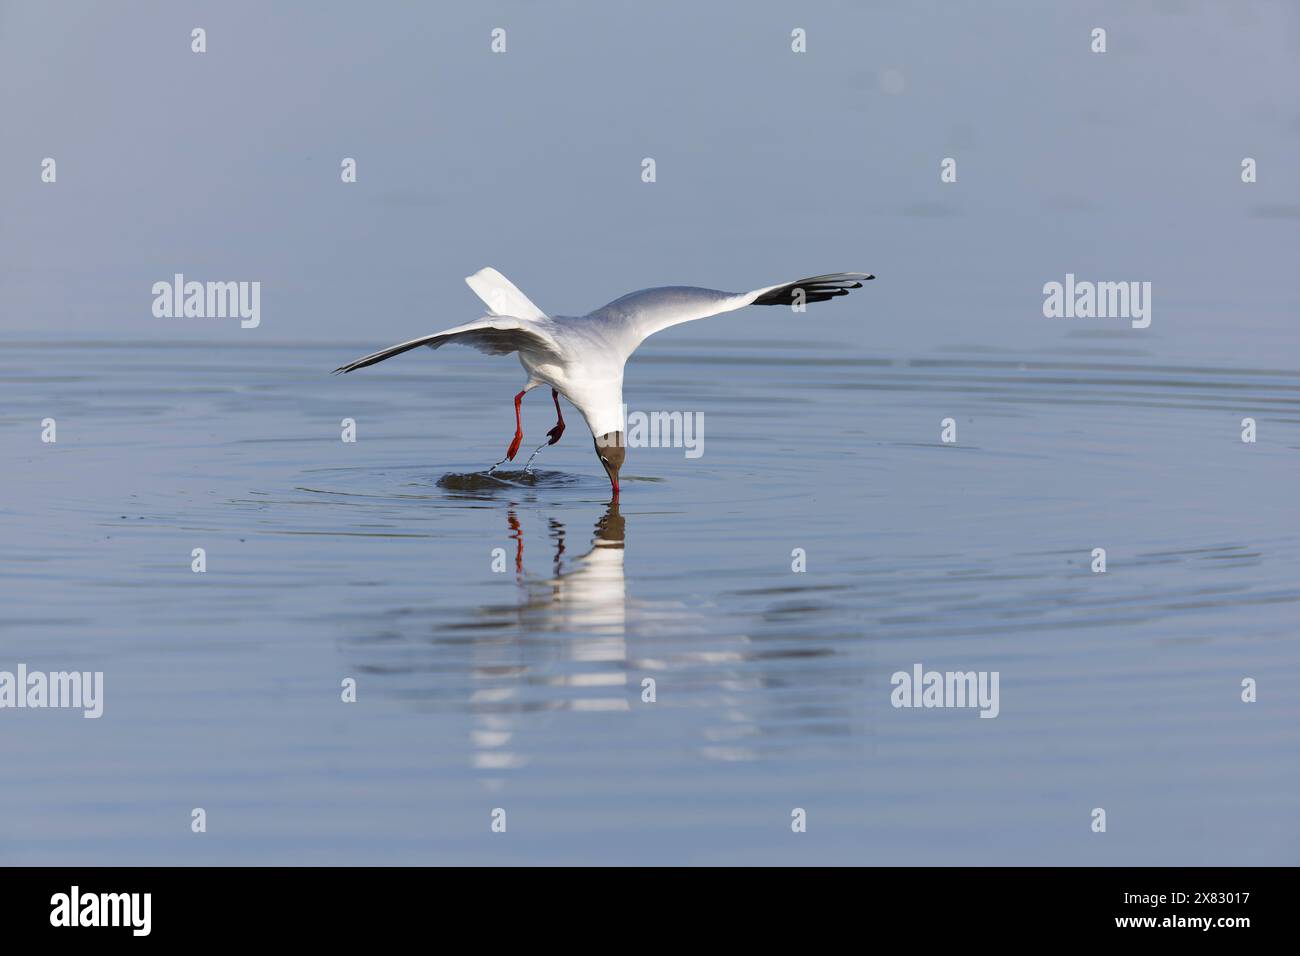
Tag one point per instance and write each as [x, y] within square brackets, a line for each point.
[610, 451]
[610, 528]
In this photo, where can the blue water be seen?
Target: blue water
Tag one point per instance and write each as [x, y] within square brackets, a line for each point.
[521, 688]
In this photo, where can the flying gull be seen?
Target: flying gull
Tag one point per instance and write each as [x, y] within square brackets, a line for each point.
[582, 357]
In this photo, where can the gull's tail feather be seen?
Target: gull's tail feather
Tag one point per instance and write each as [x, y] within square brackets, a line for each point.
[501, 296]
[815, 289]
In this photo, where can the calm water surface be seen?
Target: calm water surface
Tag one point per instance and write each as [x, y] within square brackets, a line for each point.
[522, 689]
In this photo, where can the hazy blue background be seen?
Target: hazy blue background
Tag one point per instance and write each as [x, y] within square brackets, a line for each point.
[771, 165]
[521, 689]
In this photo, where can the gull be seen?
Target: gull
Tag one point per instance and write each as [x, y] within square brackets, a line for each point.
[582, 357]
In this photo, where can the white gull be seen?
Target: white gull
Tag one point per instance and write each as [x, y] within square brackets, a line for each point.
[582, 357]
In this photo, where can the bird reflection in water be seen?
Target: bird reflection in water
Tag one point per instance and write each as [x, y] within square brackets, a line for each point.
[590, 596]
[585, 599]
[589, 666]
[570, 640]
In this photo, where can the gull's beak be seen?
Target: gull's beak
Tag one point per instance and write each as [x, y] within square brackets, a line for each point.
[610, 451]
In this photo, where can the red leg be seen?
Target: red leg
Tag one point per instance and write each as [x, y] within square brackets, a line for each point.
[517, 533]
[519, 429]
[555, 433]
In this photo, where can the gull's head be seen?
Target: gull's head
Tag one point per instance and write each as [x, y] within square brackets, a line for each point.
[610, 451]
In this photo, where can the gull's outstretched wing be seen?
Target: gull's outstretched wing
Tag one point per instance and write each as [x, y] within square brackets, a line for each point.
[495, 335]
[642, 314]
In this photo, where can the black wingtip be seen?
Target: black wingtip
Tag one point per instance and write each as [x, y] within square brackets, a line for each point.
[815, 289]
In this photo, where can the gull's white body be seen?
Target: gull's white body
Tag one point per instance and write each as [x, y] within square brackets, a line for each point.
[582, 357]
